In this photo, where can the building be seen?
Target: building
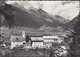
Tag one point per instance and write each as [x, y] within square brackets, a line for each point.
[23, 34]
[48, 40]
[61, 51]
[36, 41]
[16, 41]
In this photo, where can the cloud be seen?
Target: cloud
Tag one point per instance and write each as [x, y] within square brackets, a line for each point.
[68, 10]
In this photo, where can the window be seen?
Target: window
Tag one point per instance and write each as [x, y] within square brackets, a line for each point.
[55, 39]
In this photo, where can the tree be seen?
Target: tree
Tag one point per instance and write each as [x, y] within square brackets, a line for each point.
[52, 53]
[27, 38]
[75, 35]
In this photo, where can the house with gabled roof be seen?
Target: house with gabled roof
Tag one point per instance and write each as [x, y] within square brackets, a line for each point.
[36, 41]
[48, 40]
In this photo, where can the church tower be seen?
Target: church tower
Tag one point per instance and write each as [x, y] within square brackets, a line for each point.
[23, 34]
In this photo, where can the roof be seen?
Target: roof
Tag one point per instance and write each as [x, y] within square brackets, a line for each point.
[34, 35]
[36, 38]
[50, 36]
[17, 39]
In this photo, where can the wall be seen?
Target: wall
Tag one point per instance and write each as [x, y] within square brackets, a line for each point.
[15, 44]
[37, 44]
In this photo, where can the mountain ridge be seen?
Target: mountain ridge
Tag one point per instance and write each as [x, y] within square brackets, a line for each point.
[71, 24]
[34, 18]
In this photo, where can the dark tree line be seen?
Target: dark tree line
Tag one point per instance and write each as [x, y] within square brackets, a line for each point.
[75, 35]
[27, 38]
[6, 10]
[75, 44]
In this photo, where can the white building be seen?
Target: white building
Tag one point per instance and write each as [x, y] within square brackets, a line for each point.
[61, 51]
[16, 41]
[36, 41]
[48, 40]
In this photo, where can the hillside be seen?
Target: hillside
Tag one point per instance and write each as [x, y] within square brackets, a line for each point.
[19, 16]
[61, 19]
[71, 24]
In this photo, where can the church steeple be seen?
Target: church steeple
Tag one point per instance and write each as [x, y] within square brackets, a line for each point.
[23, 34]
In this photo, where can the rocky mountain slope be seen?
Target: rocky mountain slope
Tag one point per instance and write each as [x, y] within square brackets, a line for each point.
[71, 24]
[32, 17]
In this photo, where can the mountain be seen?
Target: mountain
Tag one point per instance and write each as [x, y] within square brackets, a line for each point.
[48, 17]
[44, 17]
[20, 17]
[42, 13]
[28, 18]
[61, 19]
[71, 24]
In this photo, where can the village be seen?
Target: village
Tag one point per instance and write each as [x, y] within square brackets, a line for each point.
[34, 41]
[40, 28]
[34, 44]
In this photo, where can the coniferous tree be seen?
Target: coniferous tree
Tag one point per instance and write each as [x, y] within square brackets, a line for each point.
[27, 38]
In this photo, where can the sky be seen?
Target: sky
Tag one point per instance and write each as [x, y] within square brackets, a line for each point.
[66, 9]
